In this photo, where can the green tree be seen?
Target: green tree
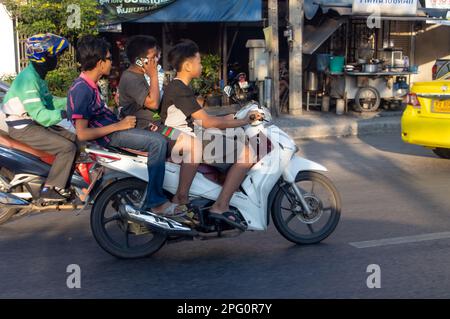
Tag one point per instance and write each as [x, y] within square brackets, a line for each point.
[68, 18]
[41, 16]
[208, 83]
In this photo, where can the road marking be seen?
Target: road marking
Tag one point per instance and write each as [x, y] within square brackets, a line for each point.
[400, 240]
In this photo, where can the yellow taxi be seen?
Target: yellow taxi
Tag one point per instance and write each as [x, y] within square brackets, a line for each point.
[426, 119]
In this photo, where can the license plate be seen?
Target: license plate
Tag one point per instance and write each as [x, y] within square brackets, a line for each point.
[441, 106]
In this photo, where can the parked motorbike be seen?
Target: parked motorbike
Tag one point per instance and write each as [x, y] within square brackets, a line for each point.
[303, 203]
[244, 91]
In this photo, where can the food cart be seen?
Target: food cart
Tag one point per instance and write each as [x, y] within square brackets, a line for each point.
[367, 83]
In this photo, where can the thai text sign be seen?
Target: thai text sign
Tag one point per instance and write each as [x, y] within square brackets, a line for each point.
[385, 7]
[437, 4]
[116, 11]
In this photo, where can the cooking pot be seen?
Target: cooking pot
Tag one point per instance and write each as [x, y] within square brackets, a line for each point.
[371, 68]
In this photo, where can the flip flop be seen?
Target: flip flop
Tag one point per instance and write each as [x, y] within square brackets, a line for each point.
[171, 211]
[186, 207]
[225, 217]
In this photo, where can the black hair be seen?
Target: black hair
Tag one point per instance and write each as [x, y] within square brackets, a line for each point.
[139, 45]
[90, 50]
[181, 52]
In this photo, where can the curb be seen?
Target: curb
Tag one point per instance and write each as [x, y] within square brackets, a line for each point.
[326, 126]
[351, 128]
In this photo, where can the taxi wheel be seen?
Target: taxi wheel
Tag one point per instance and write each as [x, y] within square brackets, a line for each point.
[442, 152]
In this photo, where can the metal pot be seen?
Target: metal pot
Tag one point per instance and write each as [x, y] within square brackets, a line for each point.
[371, 68]
[362, 61]
[312, 82]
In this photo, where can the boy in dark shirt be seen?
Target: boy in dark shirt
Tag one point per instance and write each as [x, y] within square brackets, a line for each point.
[136, 96]
[179, 110]
[93, 121]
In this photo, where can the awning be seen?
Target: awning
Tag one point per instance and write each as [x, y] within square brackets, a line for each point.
[207, 11]
[315, 36]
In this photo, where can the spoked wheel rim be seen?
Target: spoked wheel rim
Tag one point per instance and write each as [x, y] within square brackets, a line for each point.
[125, 236]
[368, 99]
[324, 206]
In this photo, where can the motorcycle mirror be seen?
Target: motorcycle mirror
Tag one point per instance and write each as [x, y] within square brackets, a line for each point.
[227, 90]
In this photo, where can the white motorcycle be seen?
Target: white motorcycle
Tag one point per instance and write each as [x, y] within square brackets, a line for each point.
[304, 204]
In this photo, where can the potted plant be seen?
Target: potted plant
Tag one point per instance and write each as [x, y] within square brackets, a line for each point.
[207, 86]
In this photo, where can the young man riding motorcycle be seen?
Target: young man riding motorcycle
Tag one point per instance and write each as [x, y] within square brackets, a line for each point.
[32, 113]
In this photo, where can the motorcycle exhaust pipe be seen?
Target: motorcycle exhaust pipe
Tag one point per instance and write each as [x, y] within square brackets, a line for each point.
[12, 200]
[156, 223]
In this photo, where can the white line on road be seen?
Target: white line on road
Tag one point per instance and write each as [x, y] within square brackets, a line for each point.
[400, 240]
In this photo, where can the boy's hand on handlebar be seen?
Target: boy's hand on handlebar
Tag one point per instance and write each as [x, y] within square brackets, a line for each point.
[254, 116]
[127, 123]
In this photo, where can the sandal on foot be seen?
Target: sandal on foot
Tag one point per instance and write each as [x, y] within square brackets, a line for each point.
[186, 207]
[231, 218]
[174, 210]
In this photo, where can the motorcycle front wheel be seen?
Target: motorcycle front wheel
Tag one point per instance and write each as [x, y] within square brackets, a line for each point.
[114, 233]
[291, 219]
[7, 213]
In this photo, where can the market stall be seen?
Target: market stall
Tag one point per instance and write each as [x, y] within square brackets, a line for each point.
[369, 81]
[362, 55]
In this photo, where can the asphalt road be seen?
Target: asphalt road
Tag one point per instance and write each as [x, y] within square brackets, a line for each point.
[388, 189]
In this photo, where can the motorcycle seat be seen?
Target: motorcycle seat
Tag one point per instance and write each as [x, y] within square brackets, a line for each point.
[8, 142]
[138, 153]
[210, 172]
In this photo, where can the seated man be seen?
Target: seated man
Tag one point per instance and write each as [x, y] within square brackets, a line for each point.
[137, 97]
[179, 109]
[95, 122]
[32, 113]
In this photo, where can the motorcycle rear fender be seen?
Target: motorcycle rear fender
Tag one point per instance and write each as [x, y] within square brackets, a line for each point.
[108, 178]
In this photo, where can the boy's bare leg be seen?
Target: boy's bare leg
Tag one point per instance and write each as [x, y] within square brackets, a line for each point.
[192, 150]
[187, 175]
[235, 177]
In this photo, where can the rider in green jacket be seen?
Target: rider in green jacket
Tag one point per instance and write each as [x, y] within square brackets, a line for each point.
[32, 113]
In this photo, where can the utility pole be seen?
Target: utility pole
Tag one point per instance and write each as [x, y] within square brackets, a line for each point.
[296, 19]
[274, 56]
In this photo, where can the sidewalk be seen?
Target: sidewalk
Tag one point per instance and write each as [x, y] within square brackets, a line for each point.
[316, 124]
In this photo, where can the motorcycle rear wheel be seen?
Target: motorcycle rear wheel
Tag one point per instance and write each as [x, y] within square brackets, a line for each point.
[331, 210]
[109, 200]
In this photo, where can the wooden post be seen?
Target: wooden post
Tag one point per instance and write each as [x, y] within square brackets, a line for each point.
[274, 72]
[296, 17]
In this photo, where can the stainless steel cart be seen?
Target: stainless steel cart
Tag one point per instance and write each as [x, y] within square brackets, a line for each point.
[367, 90]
